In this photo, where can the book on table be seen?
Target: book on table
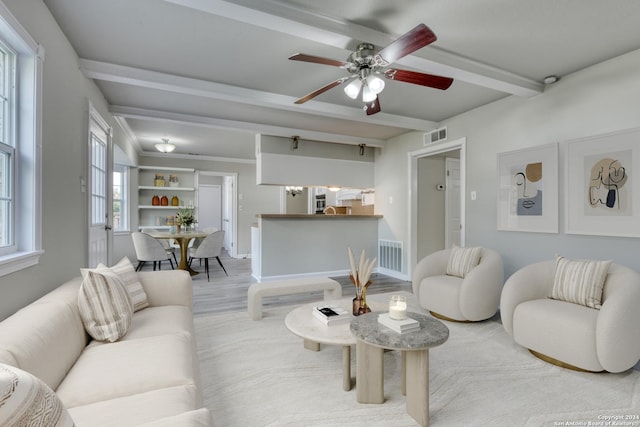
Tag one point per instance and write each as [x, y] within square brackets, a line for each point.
[400, 326]
[331, 314]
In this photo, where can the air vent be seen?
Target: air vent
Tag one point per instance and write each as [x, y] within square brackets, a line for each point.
[436, 135]
[390, 255]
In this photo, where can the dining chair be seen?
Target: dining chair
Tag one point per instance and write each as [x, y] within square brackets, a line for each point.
[149, 249]
[210, 247]
[169, 248]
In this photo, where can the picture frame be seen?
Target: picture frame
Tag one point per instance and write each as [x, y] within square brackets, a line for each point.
[528, 189]
[602, 184]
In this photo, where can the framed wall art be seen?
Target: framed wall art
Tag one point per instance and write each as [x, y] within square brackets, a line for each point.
[528, 189]
[603, 183]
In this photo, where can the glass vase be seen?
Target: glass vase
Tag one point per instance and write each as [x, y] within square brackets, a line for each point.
[360, 302]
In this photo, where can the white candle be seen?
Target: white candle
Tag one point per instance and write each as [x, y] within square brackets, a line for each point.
[398, 307]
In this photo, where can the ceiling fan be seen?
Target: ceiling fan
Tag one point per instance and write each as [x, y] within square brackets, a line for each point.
[366, 66]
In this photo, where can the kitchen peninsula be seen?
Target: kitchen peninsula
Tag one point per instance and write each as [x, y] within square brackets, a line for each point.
[297, 245]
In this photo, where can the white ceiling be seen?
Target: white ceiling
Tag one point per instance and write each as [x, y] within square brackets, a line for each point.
[210, 74]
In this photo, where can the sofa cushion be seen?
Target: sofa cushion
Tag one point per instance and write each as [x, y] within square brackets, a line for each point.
[580, 281]
[104, 305]
[27, 401]
[198, 418]
[44, 338]
[124, 368]
[558, 329]
[441, 294]
[136, 409]
[462, 260]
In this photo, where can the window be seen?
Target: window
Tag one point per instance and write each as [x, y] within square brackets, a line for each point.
[120, 199]
[20, 166]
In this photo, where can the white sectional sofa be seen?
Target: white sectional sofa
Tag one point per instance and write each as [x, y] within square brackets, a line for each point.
[149, 377]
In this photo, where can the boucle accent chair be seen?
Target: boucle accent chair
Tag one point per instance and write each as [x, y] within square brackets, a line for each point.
[571, 334]
[471, 298]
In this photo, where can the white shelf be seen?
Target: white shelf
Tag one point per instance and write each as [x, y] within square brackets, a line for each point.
[160, 207]
[162, 168]
[153, 187]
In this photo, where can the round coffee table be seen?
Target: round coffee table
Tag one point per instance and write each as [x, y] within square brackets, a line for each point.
[302, 323]
[372, 339]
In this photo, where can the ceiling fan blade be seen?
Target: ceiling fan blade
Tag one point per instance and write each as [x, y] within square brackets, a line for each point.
[430, 80]
[318, 60]
[415, 39]
[321, 90]
[372, 107]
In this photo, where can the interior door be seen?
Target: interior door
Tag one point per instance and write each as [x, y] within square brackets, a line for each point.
[452, 202]
[99, 184]
[209, 206]
[227, 214]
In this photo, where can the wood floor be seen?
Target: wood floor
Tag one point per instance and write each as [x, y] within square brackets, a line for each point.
[224, 293]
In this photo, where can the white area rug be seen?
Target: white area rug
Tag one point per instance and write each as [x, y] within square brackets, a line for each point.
[256, 373]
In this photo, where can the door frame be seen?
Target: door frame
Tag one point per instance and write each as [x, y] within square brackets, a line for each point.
[413, 156]
[447, 200]
[95, 117]
[233, 200]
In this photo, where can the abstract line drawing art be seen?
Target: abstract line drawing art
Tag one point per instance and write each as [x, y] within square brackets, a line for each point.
[602, 183]
[528, 182]
[528, 189]
[607, 180]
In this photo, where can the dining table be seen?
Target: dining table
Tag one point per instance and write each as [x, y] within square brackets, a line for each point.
[183, 238]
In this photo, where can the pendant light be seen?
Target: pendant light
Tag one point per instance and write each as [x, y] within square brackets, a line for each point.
[165, 146]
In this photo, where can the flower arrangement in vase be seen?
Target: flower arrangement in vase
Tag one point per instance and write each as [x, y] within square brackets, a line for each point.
[185, 217]
[360, 277]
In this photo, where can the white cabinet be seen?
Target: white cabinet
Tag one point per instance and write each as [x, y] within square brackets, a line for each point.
[349, 194]
[179, 185]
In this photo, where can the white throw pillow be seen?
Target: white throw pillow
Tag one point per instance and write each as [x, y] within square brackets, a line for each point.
[462, 260]
[580, 281]
[127, 273]
[105, 306]
[27, 401]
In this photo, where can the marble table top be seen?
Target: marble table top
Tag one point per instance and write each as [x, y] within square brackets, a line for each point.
[432, 332]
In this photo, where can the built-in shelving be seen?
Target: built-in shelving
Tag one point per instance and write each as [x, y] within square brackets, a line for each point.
[157, 216]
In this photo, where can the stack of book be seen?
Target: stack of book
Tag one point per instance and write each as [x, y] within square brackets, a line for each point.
[331, 314]
[400, 326]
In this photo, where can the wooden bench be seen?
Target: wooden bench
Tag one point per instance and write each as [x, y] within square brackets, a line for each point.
[331, 288]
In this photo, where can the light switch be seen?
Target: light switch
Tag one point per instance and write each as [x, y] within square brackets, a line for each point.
[474, 195]
[390, 200]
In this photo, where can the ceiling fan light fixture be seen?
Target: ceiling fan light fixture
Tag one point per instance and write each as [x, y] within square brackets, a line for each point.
[165, 146]
[367, 94]
[353, 89]
[375, 83]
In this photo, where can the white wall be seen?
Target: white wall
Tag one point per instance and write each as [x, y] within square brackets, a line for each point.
[600, 99]
[64, 140]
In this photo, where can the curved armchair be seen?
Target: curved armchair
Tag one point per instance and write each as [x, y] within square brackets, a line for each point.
[210, 247]
[470, 299]
[573, 335]
[149, 249]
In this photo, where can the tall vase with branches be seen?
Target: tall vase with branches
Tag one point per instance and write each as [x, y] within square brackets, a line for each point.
[360, 277]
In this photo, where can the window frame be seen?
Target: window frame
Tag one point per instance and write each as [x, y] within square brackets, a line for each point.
[27, 145]
[124, 171]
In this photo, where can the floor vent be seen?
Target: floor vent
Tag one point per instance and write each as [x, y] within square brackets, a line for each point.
[390, 255]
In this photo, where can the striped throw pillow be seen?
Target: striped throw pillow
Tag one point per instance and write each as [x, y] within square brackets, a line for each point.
[27, 401]
[580, 281]
[462, 260]
[124, 269]
[105, 306]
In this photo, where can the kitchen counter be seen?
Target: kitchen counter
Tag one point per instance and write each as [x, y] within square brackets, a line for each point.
[299, 245]
[314, 216]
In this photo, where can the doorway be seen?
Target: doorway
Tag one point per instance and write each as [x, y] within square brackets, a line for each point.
[436, 202]
[99, 179]
[217, 201]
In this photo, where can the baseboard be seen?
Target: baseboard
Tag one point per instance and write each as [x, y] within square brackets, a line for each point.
[392, 273]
